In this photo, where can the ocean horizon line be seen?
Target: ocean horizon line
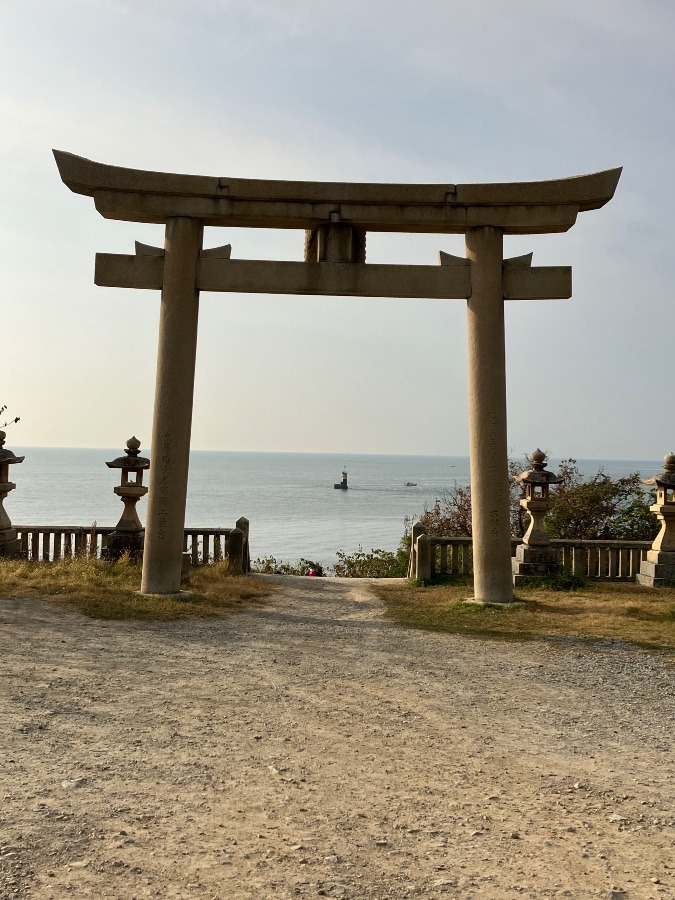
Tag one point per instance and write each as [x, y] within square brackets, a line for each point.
[148, 449]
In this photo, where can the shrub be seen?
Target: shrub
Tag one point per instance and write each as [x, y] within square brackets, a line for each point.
[376, 564]
[562, 581]
[583, 508]
[600, 507]
[269, 565]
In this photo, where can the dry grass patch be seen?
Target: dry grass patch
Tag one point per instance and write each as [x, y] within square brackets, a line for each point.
[105, 590]
[598, 611]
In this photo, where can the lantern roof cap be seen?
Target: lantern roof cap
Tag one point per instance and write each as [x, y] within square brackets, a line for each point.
[132, 460]
[667, 476]
[537, 473]
[6, 456]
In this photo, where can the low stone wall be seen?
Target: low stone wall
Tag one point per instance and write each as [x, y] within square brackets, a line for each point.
[595, 560]
[203, 545]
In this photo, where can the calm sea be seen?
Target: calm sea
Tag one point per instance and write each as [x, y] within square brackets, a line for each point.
[289, 498]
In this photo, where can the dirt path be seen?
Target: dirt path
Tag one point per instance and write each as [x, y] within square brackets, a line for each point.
[311, 748]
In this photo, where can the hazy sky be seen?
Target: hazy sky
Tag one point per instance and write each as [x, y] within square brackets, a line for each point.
[362, 90]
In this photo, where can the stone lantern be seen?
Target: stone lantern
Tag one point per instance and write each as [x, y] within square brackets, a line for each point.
[659, 566]
[535, 557]
[128, 534]
[10, 545]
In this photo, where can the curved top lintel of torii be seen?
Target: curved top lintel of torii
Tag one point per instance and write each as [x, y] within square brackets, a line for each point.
[518, 207]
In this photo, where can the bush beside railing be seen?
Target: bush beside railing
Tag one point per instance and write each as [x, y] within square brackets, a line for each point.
[595, 560]
[54, 542]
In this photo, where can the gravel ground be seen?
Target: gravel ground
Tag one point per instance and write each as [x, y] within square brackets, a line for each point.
[310, 748]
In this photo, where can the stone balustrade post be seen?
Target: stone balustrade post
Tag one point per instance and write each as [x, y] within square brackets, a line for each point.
[243, 525]
[416, 530]
[424, 549]
[235, 551]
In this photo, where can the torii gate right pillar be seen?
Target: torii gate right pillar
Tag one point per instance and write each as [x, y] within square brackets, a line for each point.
[487, 417]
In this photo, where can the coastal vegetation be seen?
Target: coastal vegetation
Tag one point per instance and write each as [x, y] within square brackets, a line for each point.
[375, 564]
[361, 564]
[588, 508]
[270, 565]
[110, 590]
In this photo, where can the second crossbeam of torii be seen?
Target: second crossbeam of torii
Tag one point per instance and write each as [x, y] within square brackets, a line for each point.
[335, 217]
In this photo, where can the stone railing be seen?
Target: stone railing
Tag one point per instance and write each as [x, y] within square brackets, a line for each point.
[203, 545]
[595, 560]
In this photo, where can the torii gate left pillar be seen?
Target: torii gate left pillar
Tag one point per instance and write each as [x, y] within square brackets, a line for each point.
[336, 218]
[172, 418]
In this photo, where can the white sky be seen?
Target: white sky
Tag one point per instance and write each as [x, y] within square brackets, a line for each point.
[379, 90]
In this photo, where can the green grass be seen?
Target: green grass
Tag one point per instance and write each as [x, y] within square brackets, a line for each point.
[598, 611]
[105, 590]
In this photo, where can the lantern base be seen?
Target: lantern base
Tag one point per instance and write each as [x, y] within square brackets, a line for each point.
[10, 544]
[531, 563]
[658, 569]
[120, 542]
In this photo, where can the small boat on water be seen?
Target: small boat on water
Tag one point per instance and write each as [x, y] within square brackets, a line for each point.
[411, 484]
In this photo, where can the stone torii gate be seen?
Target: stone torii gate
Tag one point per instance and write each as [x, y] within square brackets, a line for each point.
[335, 218]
